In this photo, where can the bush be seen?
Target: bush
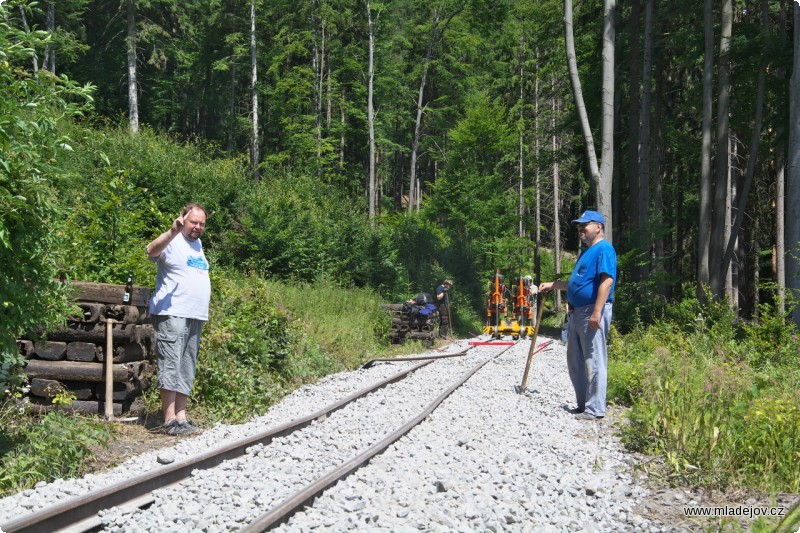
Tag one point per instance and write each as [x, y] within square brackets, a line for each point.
[295, 228]
[53, 446]
[698, 402]
[31, 109]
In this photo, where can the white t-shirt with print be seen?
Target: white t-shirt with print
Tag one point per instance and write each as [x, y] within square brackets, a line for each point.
[182, 285]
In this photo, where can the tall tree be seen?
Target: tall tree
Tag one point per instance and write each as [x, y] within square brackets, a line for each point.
[793, 178]
[721, 197]
[372, 189]
[133, 93]
[601, 176]
[634, 111]
[754, 144]
[704, 223]
[254, 144]
[643, 173]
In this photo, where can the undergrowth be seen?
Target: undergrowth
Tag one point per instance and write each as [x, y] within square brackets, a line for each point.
[45, 448]
[717, 398]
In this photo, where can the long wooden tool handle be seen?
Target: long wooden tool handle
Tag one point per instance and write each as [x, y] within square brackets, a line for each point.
[533, 345]
[109, 370]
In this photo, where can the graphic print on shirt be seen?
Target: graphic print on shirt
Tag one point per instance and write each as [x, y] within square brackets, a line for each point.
[197, 261]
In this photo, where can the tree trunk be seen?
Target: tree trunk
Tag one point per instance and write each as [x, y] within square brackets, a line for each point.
[537, 215]
[659, 174]
[634, 118]
[577, 92]
[600, 176]
[793, 179]
[521, 196]
[413, 187]
[753, 158]
[721, 199]
[49, 62]
[371, 113]
[604, 199]
[254, 148]
[732, 181]
[780, 228]
[780, 192]
[644, 143]
[704, 234]
[24, 20]
[319, 87]
[133, 96]
[556, 199]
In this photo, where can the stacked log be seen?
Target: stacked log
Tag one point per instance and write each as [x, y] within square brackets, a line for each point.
[73, 358]
[406, 324]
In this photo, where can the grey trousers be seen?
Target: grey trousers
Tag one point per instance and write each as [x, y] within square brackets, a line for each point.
[587, 358]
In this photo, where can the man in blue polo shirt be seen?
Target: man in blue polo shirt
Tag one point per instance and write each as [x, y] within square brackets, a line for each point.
[590, 293]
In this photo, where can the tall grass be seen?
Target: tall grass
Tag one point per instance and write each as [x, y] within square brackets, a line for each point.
[34, 449]
[718, 400]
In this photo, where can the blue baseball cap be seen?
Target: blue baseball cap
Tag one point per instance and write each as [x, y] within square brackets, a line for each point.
[590, 216]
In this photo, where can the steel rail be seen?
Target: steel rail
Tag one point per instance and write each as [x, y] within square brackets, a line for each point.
[282, 512]
[371, 362]
[75, 510]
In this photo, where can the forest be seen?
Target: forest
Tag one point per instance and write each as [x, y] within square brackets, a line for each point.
[382, 146]
[480, 117]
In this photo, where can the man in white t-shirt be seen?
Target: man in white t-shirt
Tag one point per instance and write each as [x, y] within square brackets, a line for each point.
[179, 308]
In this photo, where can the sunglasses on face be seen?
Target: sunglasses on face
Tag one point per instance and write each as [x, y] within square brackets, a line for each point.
[585, 224]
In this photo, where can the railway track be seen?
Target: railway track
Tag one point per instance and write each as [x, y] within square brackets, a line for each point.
[240, 473]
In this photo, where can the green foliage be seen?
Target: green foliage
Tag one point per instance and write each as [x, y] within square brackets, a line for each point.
[720, 412]
[246, 343]
[31, 109]
[297, 228]
[53, 446]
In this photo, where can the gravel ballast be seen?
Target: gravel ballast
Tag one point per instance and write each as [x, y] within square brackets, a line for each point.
[487, 459]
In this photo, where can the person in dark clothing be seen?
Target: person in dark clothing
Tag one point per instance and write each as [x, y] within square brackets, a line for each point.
[442, 300]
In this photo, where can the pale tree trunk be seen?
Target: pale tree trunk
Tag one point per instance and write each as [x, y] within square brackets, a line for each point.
[49, 61]
[133, 96]
[704, 226]
[319, 86]
[413, 186]
[780, 230]
[634, 108]
[329, 101]
[371, 113]
[604, 198]
[733, 178]
[780, 192]
[659, 171]
[620, 187]
[437, 31]
[601, 176]
[793, 178]
[254, 148]
[521, 199]
[24, 20]
[232, 109]
[644, 141]
[342, 123]
[753, 157]
[537, 216]
[577, 92]
[721, 199]
[556, 199]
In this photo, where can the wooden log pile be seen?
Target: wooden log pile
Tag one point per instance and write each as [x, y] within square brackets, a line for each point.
[406, 324]
[73, 358]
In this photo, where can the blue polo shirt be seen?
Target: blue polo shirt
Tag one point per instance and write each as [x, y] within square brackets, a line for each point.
[600, 258]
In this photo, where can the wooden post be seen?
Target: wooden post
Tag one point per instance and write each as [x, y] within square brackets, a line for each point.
[109, 370]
